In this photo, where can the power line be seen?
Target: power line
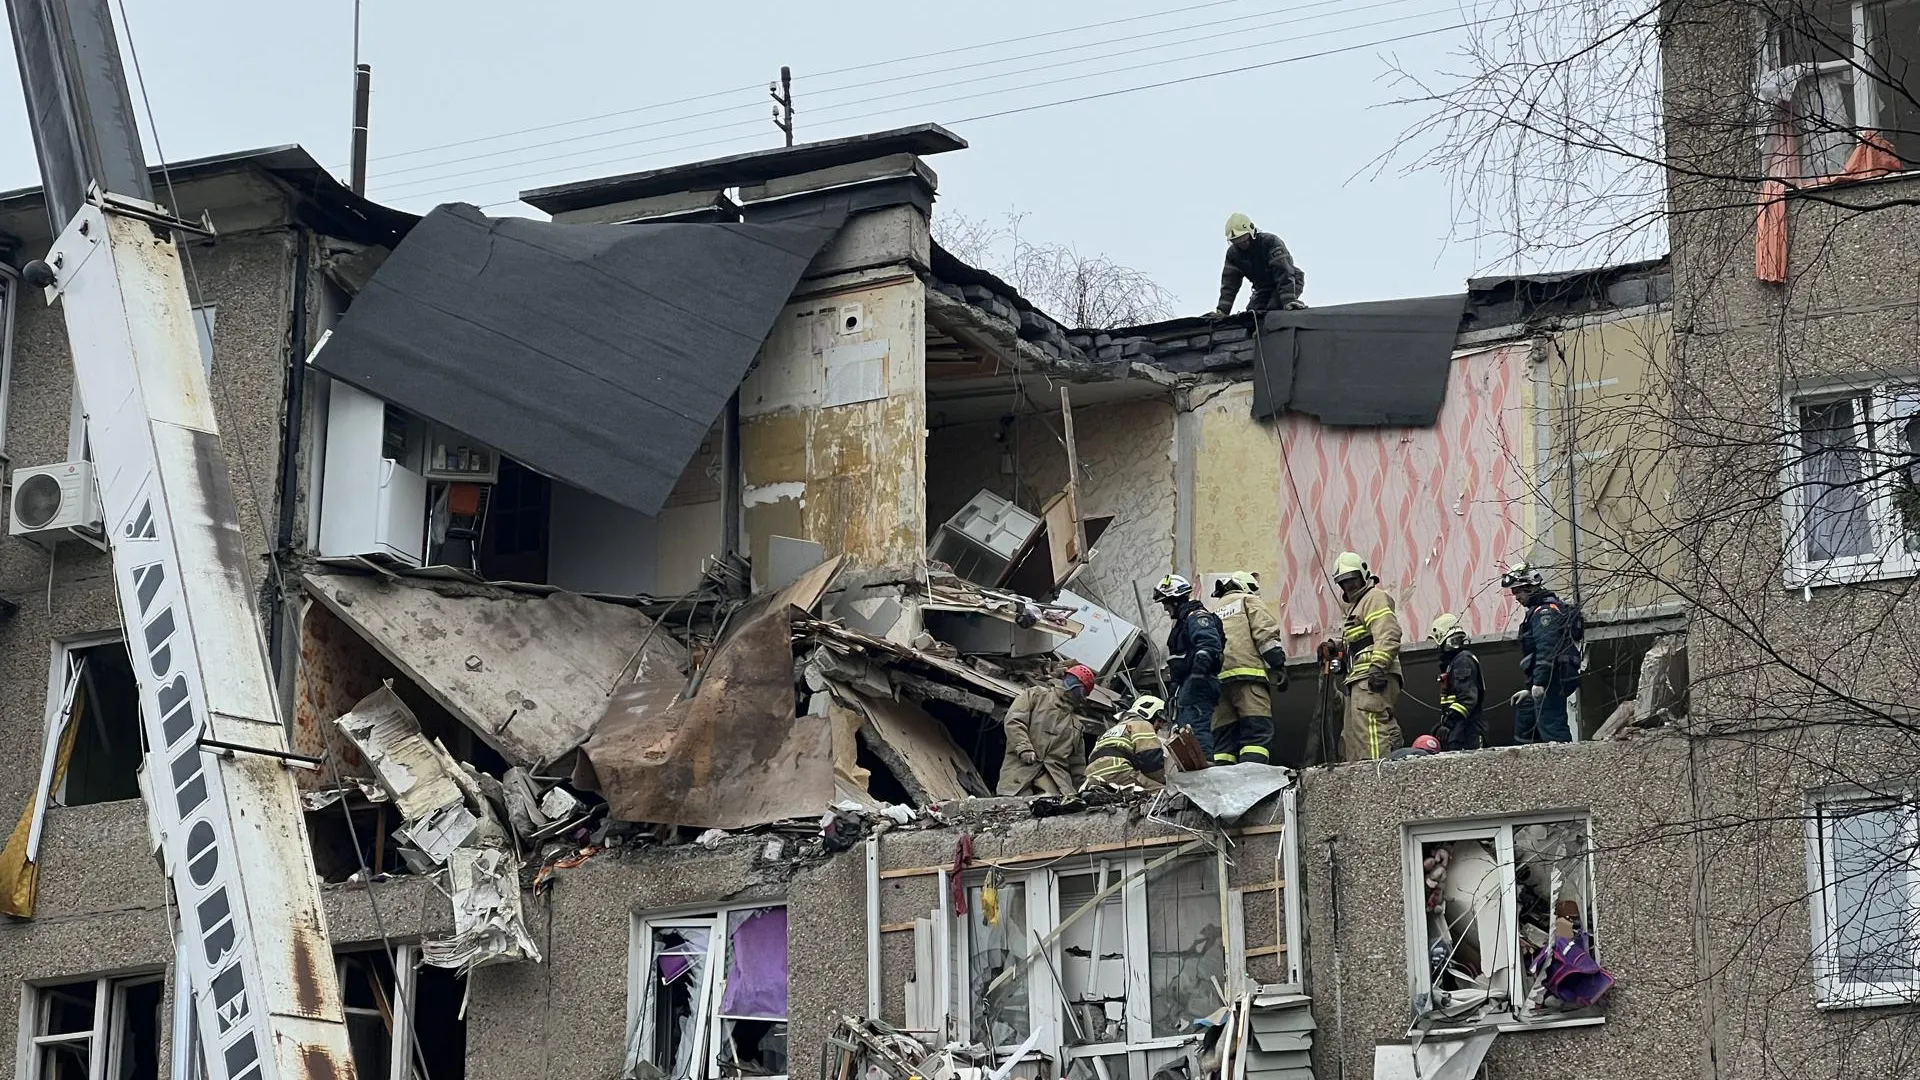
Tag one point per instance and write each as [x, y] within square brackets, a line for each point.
[896, 105]
[823, 74]
[920, 75]
[1062, 101]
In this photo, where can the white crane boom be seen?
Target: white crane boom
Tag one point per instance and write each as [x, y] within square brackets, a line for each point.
[253, 936]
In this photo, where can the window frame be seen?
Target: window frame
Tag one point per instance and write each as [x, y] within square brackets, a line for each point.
[1831, 990]
[60, 695]
[1414, 835]
[640, 987]
[1858, 62]
[400, 1040]
[1887, 558]
[109, 1011]
[1046, 1006]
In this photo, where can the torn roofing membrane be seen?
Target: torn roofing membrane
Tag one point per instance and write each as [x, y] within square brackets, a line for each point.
[596, 354]
[1378, 364]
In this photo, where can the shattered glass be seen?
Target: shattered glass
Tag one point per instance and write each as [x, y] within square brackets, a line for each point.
[1185, 949]
[1095, 983]
[679, 971]
[1554, 898]
[993, 947]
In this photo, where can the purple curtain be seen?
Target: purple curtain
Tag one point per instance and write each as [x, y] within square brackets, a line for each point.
[756, 964]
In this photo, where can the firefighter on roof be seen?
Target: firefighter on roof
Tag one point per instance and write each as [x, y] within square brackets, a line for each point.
[1260, 258]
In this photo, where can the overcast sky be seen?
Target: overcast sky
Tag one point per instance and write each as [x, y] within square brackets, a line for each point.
[1145, 177]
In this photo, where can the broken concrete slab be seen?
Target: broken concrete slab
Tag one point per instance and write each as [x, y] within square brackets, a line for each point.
[529, 674]
[415, 771]
[918, 750]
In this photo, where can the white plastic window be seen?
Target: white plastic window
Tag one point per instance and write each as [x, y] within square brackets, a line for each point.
[1483, 901]
[99, 1029]
[1851, 485]
[1853, 70]
[708, 995]
[1118, 990]
[1866, 919]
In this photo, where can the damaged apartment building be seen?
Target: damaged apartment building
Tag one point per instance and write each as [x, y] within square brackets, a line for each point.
[646, 588]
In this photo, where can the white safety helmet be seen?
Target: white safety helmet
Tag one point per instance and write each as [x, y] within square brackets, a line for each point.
[1447, 626]
[1172, 587]
[1237, 581]
[1147, 707]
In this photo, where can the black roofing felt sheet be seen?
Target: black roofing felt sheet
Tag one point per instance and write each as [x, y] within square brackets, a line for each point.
[1358, 365]
[596, 354]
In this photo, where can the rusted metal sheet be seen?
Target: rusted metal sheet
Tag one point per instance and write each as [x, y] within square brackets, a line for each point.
[529, 674]
[731, 756]
[336, 670]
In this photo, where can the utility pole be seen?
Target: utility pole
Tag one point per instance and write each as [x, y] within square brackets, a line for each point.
[362, 99]
[782, 96]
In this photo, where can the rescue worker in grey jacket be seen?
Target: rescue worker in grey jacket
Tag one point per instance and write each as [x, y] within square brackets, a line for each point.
[1263, 260]
[1046, 753]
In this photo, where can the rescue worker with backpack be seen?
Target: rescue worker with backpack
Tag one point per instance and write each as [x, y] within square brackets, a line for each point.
[1046, 753]
[1129, 754]
[1462, 690]
[1255, 647]
[1195, 647]
[1552, 634]
[1370, 636]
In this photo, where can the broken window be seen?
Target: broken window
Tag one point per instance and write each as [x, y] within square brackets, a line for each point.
[1502, 925]
[93, 729]
[709, 995]
[99, 1029]
[1850, 72]
[1119, 986]
[403, 1022]
[1866, 923]
[1853, 493]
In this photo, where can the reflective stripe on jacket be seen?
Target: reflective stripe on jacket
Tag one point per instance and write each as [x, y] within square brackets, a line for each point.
[1372, 633]
[1127, 753]
[1250, 630]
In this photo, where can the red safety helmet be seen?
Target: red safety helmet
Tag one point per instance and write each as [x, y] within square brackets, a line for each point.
[1084, 674]
[1428, 743]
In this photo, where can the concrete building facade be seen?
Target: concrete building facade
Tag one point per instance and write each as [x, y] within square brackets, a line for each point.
[895, 385]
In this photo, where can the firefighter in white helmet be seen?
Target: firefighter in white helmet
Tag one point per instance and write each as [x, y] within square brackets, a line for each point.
[1260, 258]
[1255, 648]
[1462, 691]
[1371, 636]
[1195, 646]
[1129, 754]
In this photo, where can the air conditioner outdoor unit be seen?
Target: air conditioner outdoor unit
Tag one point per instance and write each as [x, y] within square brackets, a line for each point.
[51, 502]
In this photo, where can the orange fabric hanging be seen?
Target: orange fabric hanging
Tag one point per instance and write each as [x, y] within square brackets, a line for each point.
[1872, 157]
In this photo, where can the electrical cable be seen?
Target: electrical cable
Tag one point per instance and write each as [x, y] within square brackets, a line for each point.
[819, 75]
[895, 105]
[1337, 50]
[817, 110]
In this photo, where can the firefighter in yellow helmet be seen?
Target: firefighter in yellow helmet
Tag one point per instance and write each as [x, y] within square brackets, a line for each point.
[1262, 260]
[1371, 635]
[1255, 646]
[1129, 754]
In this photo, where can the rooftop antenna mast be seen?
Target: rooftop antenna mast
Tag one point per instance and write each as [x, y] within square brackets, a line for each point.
[782, 96]
[362, 100]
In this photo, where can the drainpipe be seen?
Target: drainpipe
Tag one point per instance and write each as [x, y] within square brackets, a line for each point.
[294, 395]
[732, 483]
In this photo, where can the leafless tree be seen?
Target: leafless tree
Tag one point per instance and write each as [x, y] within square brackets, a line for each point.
[1084, 291]
[1770, 475]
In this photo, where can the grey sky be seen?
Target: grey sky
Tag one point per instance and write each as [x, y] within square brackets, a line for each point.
[1147, 178]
